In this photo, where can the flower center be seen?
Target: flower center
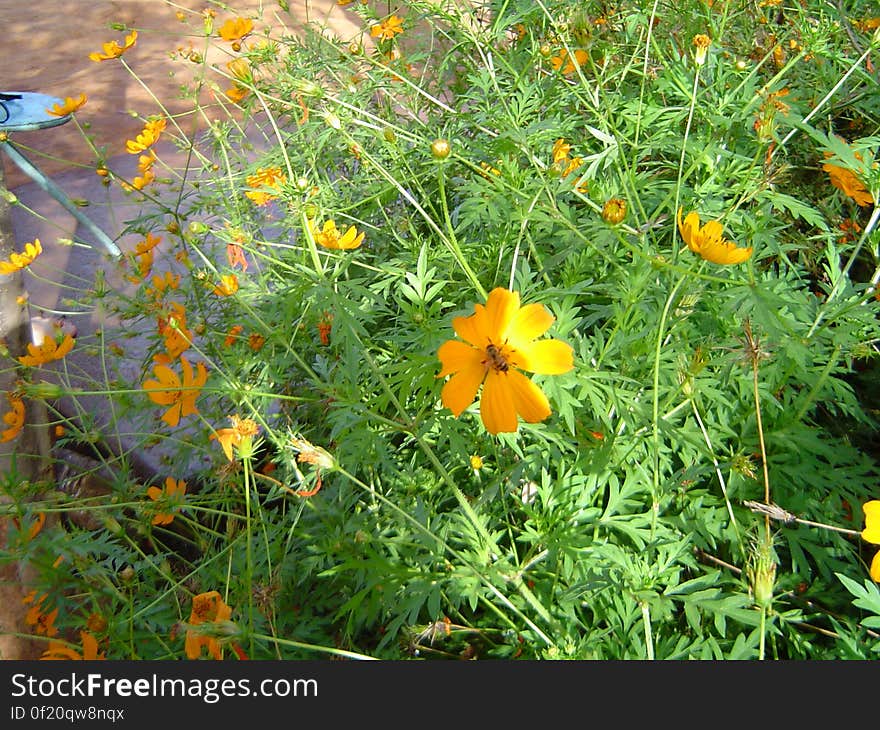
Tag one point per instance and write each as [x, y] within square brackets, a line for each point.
[496, 358]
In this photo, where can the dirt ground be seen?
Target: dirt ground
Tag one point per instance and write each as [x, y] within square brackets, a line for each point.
[47, 46]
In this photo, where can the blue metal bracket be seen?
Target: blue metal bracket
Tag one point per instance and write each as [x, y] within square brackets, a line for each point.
[26, 111]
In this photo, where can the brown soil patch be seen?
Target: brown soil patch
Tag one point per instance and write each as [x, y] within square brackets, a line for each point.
[48, 51]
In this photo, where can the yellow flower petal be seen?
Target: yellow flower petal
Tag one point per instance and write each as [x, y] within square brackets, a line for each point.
[531, 321]
[528, 399]
[460, 390]
[501, 307]
[497, 407]
[455, 356]
[546, 357]
[473, 328]
[871, 533]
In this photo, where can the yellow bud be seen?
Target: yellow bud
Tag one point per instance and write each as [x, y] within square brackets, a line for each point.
[440, 149]
[614, 211]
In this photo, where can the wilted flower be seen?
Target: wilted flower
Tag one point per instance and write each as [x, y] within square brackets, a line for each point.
[701, 44]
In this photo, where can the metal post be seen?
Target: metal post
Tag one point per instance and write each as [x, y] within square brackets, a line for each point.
[48, 186]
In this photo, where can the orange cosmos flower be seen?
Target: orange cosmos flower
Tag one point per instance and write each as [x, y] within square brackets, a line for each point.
[561, 148]
[113, 49]
[58, 650]
[256, 341]
[163, 284]
[329, 236]
[179, 395]
[236, 94]
[701, 43]
[499, 341]
[149, 136]
[68, 106]
[708, 243]
[209, 611]
[48, 351]
[13, 418]
[18, 261]
[235, 29]
[269, 177]
[171, 498]
[567, 63]
[43, 623]
[847, 182]
[241, 436]
[228, 285]
[388, 28]
[232, 335]
[178, 337]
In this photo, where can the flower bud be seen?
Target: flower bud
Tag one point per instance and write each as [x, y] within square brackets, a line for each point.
[440, 149]
[614, 211]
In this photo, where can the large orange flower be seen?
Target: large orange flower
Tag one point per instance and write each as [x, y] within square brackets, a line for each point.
[500, 339]
[708, 243]
[207, 609]
[179, 396]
